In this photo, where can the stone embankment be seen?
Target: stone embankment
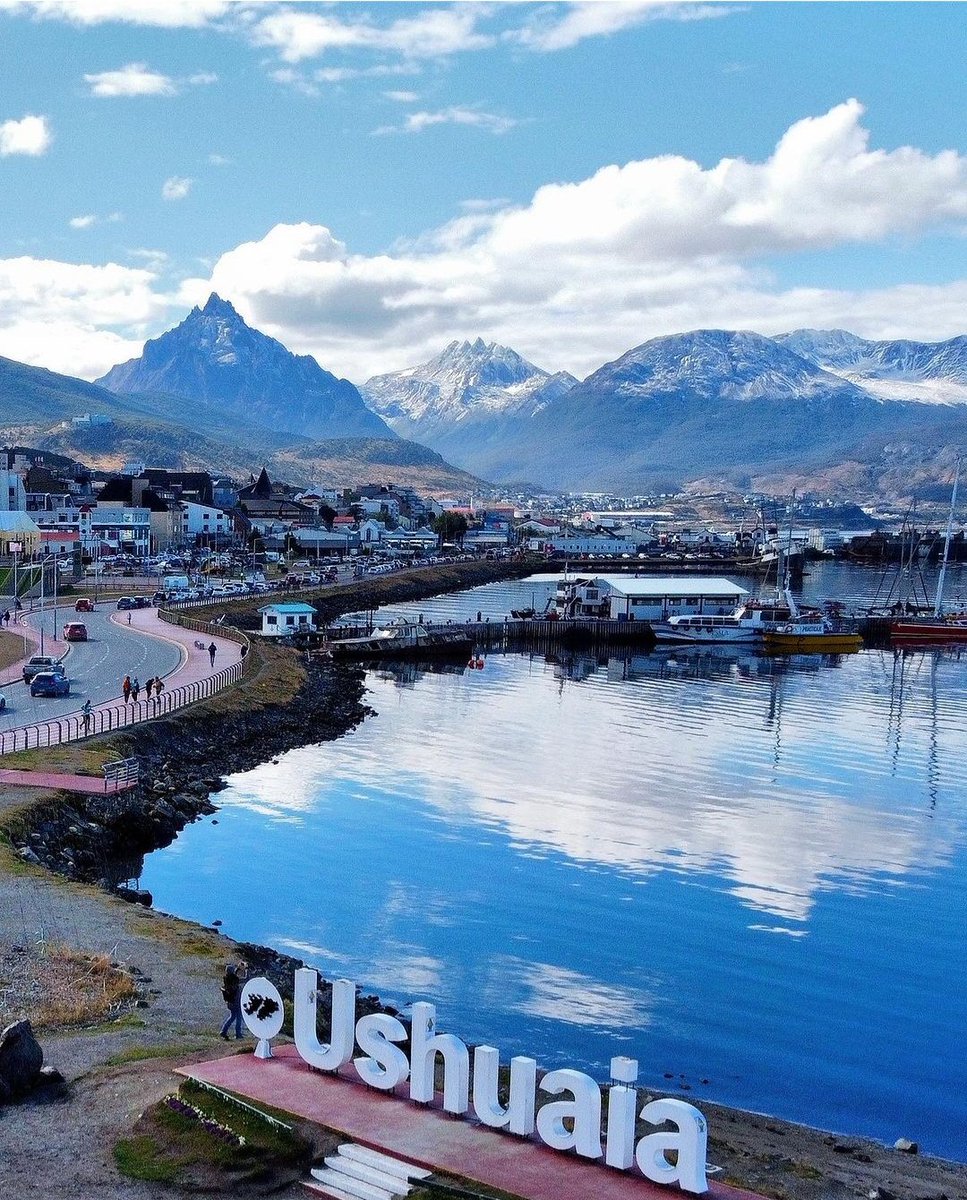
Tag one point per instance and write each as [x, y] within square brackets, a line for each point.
[101, 838]
[183, 757]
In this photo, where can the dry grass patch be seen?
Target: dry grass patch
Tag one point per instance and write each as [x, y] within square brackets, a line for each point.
[11, 649]
[72, 758]
[56, 986]
[184, 937]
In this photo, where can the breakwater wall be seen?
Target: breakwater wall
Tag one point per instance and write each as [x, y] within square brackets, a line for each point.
[183, 758]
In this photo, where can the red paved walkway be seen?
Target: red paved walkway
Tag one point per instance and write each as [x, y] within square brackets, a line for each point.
[88, 784]
[427, 1136]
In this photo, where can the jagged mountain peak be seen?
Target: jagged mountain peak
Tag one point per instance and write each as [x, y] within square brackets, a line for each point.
[214, 359]
[215, 306]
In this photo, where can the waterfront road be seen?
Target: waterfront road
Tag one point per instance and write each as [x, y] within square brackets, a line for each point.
[96, 668]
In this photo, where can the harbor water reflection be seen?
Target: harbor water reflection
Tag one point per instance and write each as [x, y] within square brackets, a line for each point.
[747, 872]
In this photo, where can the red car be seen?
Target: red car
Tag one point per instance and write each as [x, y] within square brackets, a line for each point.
[75, 631]
[85, 604]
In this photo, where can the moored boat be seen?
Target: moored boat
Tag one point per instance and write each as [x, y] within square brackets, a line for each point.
[812, 633]
[404, 639]
[747, 623]
[937, 628]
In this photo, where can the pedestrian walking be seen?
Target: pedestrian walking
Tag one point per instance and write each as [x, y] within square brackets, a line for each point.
[148, 686]
[126, 688]
[129, 617]
[232, 995]
[86, 717]
[135, 689]
[159, 684]
[211, 652]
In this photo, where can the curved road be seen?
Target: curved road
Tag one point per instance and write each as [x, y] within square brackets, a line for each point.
[95, 668]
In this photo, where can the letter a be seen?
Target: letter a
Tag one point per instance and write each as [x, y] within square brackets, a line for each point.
[690, 1141]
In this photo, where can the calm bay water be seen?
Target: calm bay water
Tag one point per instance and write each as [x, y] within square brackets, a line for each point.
[748, 873]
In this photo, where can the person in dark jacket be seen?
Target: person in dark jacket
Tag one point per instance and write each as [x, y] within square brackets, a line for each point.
[232, 995]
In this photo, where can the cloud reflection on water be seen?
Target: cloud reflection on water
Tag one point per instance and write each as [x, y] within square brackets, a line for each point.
[776, 779]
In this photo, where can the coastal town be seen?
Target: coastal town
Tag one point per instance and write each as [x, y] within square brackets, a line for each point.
[483, 600]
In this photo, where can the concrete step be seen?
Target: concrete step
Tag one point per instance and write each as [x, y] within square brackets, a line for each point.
[330, 1192]
[396, 1185]
[355, 1188]
[383, 1162]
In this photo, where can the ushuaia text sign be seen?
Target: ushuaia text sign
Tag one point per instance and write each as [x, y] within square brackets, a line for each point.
[571, 1123]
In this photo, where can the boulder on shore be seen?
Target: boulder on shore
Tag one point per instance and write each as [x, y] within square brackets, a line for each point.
[21, 1059]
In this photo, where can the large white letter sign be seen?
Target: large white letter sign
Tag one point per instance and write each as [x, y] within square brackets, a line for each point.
[518, 1116]
[619, 1146]
[343, 1025]
[425, 1044]
[386, 1064]
[690, 1141]
[584, 1110]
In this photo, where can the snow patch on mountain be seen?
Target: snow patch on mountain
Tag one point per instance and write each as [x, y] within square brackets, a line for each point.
[925, 372]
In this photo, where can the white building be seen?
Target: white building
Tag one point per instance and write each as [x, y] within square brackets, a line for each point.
[655, 598]
[200, 519]
[282, 620]
[13, 498]
[663, 596]
[126, 530]
[371, 533]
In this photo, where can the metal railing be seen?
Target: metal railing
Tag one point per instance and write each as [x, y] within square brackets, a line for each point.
[126, 772]
[110, 717]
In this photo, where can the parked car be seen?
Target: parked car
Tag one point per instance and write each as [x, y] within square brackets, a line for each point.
[75, 631]
[85, 604]
[50, 683]
[40, 662]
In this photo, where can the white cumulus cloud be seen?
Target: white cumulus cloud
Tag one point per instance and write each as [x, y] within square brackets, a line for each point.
[297, 34]
[586, 270]
[84, 222]
[166, 14]
[133, 79]
[74, 318]
[176, 188]
[30, 136]
[560, 26]
[137, 79]
[476, 118]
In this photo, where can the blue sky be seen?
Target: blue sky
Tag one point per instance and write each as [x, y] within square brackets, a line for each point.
[368, 181]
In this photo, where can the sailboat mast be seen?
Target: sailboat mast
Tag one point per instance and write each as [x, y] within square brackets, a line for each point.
[938, 607]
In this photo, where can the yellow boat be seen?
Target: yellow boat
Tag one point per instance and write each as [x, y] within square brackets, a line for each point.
[811, 635]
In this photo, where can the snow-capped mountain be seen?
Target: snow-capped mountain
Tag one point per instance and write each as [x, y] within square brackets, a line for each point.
[928, 372]
[465, 380]
[219, 363]
[707, 404]
[473, 402]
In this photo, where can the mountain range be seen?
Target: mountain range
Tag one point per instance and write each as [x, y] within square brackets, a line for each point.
[817, 409]
[708, 408]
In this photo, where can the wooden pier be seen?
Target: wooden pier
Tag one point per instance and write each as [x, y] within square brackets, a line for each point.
[533, 633]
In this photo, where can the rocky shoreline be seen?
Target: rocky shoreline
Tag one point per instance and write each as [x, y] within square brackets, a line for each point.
[100, 839]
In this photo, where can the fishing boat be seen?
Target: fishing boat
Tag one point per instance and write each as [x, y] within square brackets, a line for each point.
[404, 639]
[747, 623]
[939, 627]
[812, 632]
